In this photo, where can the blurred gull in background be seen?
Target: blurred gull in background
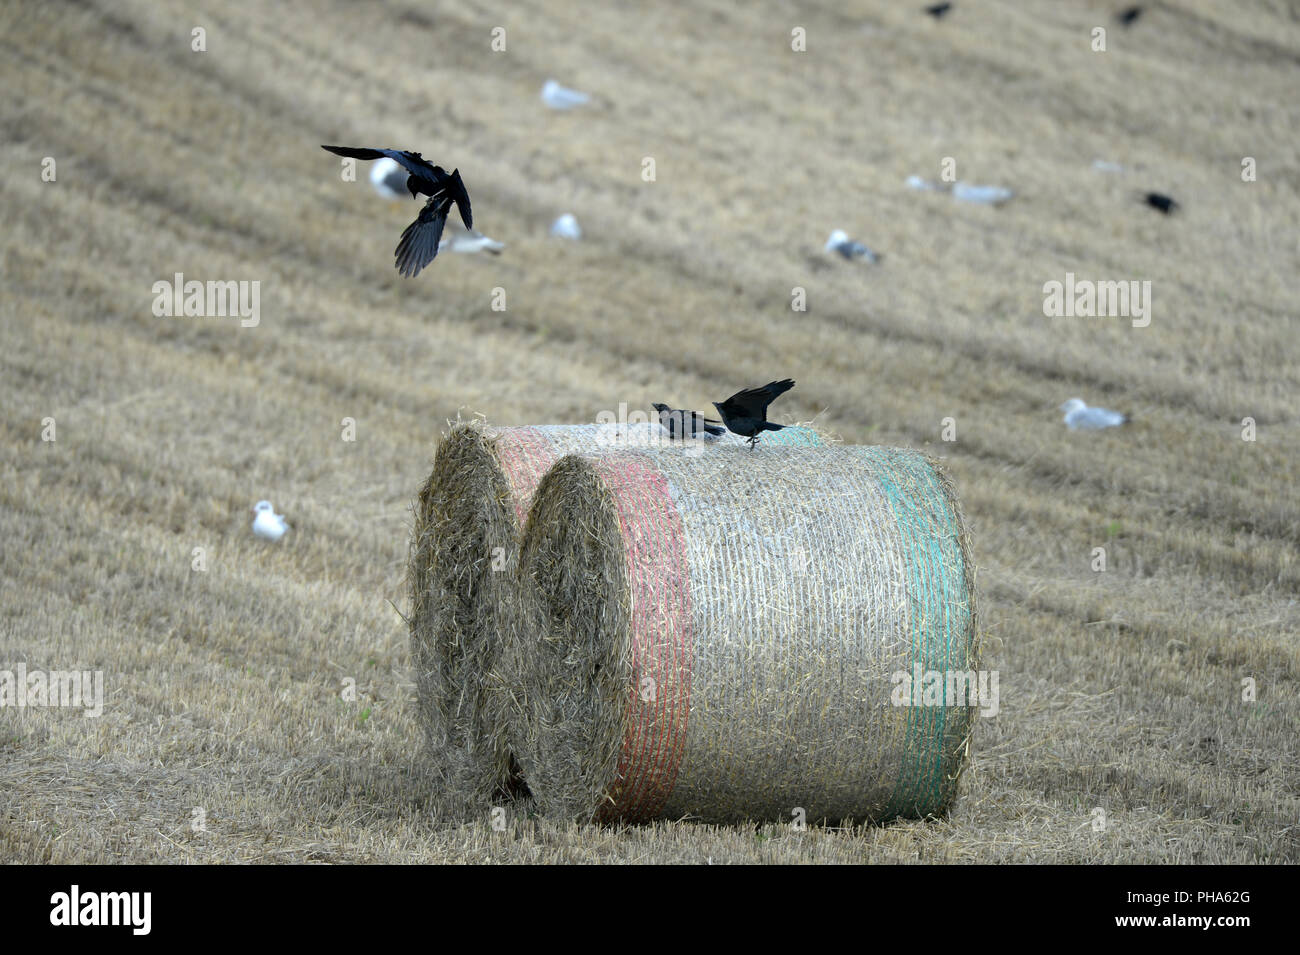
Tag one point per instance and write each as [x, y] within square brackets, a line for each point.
[963, 191]
[389, 179]
[468, 240]
[1079, 415]
[267, 523]
[985, 195]
[561, 97]
[849, 248]
[566, 227]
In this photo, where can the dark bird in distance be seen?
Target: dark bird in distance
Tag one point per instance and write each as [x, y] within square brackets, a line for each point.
[745, 412]
[419, 243]
[1162, 202]
[1128, 16]
[687, 424]
[938, 10]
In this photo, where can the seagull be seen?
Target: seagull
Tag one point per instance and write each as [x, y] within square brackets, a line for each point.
[985, 195]
[687, 424]
[745, 412]
[419, 243]
[1159, 201]
[849, 248]
[1079, 415]
[561, 97]
[566, 227]
[467, 240]
[963, 191]
[388, 178]
[267, 523]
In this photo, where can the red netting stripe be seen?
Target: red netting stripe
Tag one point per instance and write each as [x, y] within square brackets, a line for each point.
[658, 577]
[525, 455]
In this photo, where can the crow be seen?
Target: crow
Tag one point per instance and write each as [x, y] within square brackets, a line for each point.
[419, 243]
[745, 412]
[1128, 16]
[938, 10]
[686, 424]
[1157, 201]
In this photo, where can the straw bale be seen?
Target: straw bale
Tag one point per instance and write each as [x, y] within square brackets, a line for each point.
[461, 577]
[718, 637]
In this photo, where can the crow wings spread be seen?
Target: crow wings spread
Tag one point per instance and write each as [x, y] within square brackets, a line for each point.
[745, 412]
[419, 243]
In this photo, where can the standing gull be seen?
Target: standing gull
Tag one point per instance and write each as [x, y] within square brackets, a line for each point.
[267, 523]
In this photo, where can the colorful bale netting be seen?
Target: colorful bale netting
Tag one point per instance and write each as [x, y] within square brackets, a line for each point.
[719, 637]
[463, 557]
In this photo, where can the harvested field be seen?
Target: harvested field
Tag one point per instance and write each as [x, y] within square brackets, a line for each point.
[274, 688]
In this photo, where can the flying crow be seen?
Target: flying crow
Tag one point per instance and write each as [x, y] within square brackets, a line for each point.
[687, 424]
[938, 10]
[419, 243]
[745, 412]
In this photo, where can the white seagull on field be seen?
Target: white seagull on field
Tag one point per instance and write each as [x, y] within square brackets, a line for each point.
[267, 523]
[849, 248]
[389, 178]
[964, 191]
[1079, 415]
[985, 195]
[468, 240]
[561, 97]
[566, 227]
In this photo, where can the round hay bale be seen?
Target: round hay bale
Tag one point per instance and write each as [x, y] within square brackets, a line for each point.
[464, 552]
[719, 637]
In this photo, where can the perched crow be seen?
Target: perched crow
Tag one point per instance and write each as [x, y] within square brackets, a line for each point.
[419, 243]
[687, 424]
[938, 10]
[1128, 16]
[745, 412]
[1157, 201]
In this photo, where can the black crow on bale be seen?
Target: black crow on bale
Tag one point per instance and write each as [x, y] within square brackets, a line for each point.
[745, 412]
[686, 424]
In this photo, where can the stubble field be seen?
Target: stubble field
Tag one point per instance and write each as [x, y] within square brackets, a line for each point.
[1121, 691]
